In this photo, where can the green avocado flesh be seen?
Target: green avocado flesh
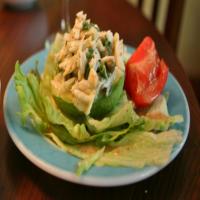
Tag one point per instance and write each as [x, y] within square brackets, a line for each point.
[69, 109]
[105, 104]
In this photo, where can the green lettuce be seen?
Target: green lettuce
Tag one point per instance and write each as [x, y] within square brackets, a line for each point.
[159, 106]
[85, 164]
[51, 67]
[41, 109]
[159, 124]
[122, 114]
[157, 118]
[136, 149]
[55, 116]
[109, 137]
[139, 149]
[72, 149]
[26, 90]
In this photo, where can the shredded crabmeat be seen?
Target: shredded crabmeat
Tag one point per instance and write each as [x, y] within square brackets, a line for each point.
[89, 61]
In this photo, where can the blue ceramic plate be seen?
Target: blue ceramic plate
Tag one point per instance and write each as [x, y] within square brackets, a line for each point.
[60, 164]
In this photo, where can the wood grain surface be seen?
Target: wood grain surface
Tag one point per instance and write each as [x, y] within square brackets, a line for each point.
[24, 33]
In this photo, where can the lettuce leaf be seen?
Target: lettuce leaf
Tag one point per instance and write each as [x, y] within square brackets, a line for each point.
[162, 123]
[109, 137]
[51, 68]
[139, 149]
[89, 159]
[123, 114]
[136, 149]
[55, 116]
[34, 83]
[72, 149]
[29, 106]
[57, 43]
[49, 72]
[85, 164]
[157, 118]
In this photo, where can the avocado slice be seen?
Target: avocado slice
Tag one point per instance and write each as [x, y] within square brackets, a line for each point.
[105, 104]
[69, 109]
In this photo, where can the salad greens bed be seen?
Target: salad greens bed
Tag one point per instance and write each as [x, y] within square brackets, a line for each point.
[120, 137]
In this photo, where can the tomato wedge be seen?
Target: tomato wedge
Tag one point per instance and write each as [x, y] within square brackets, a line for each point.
[146, 74]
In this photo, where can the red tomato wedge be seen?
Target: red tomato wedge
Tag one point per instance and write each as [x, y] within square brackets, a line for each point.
[146, 74]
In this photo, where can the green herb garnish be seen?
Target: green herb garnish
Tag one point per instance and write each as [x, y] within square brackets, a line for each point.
[102, 70]
[108, 46]
[89, 54]
[87, 25]
[87, 70]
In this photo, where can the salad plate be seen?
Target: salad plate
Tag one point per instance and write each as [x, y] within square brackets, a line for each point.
[61, 164]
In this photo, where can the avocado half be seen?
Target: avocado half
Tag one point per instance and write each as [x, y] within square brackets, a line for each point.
[101, 107]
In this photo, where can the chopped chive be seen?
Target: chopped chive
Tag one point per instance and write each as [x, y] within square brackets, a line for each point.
[108, 46]
[89, 54]
[87, 70]
[102, 70]
[86, 26]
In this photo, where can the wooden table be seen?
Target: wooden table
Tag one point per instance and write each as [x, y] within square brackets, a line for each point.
[22, 34]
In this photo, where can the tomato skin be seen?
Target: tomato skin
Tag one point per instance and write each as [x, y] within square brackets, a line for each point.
[143, 50]
[146, 74]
